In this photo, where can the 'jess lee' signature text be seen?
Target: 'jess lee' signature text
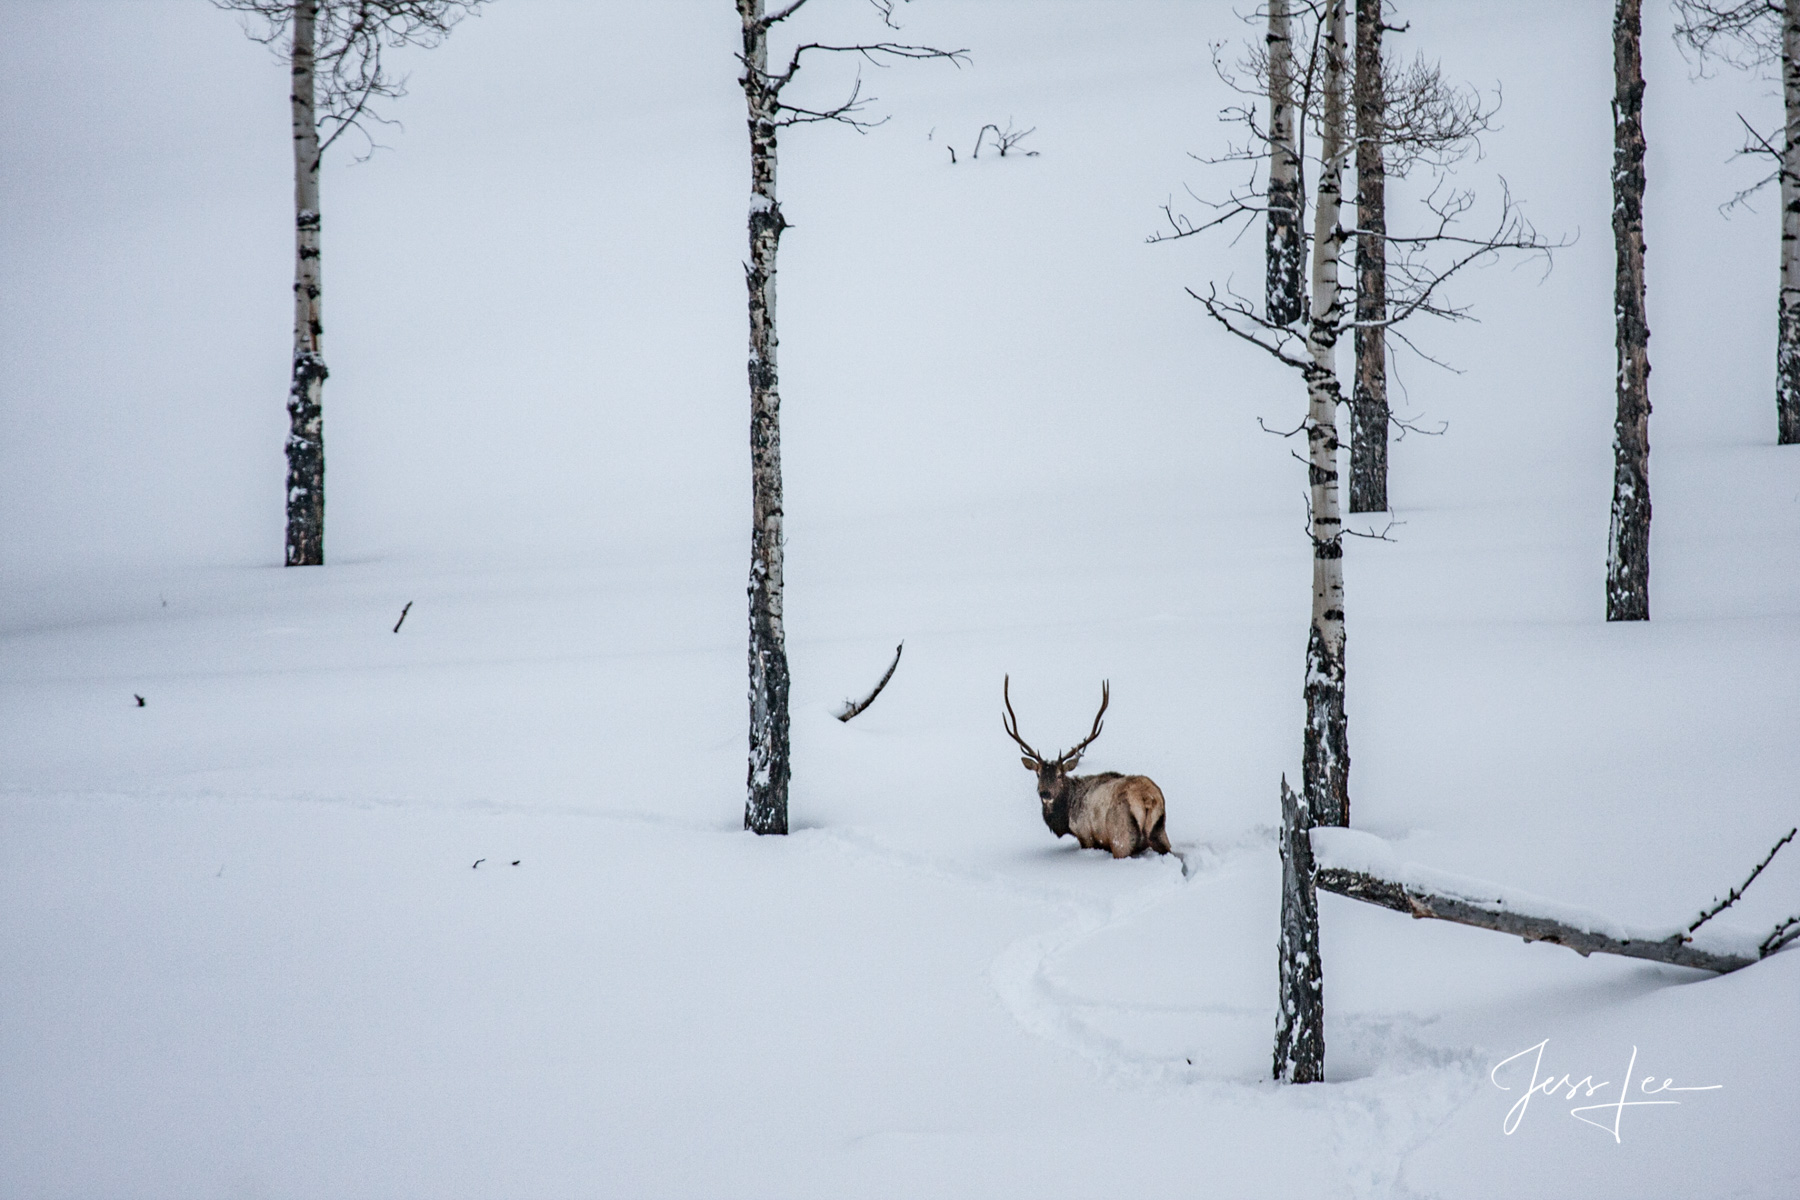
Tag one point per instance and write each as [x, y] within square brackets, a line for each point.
[1549, 1085]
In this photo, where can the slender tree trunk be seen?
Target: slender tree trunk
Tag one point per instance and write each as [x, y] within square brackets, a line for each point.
[1326, 779]
[1300, 1012]
[1787, 351]
[1283, 299]
[766, 808]
[1628, 549]
[1369, 405]
[306, 437]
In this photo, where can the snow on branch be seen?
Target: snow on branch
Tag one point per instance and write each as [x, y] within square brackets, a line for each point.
[1363, 867]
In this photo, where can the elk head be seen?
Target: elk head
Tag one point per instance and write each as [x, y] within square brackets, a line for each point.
[1052, 773]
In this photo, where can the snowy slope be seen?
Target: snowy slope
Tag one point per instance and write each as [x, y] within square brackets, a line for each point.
[246, 950]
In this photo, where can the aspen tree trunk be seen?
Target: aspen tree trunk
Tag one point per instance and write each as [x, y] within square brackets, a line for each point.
[1300, 1011]
[306, 439]
[1283, 301]
[1326, 780]
[1628, 546]
[1368, 404]
[766, 808]
[1787, 350]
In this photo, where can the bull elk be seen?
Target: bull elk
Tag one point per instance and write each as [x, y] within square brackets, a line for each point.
[1119, 813]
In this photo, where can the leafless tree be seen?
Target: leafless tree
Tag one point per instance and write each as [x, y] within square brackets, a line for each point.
[335, 53]
[1407, 116]
[766, 806]
[1418, 267]
[1759, 35]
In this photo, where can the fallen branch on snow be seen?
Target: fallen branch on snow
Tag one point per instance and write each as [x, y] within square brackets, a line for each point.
[852, 707]
[1363, 867]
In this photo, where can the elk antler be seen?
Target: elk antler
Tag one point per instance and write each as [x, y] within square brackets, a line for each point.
[1071, 757]
[1012, 727]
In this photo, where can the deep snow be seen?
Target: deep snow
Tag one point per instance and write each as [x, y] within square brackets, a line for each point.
[246, 952]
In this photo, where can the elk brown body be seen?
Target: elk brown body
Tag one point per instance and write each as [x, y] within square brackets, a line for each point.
[1122, 814]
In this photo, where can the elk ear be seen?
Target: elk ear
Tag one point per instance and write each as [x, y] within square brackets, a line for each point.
[1070, 764]
[1029, 765]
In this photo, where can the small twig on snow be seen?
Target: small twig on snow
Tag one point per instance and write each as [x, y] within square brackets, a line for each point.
[402, 620]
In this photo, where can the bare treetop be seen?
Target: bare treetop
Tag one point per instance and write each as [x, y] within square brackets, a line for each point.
[844, 112]
[1426, 118]
[350, 38]
[1744, 33]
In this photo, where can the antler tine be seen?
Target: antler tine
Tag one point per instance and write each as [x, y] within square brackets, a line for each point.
[1012, 729]
[1069, 757]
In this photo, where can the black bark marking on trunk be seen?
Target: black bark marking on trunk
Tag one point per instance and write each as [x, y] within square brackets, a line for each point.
[1300, 1004]
[306, 463]
[1628, 545]
[1285, 248]
[1326, 764]
[1369, 403]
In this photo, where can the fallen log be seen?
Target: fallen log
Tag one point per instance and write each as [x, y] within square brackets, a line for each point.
[1363, 867]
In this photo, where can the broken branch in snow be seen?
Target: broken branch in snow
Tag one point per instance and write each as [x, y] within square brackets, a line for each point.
[1354, 864]
[853, 707]
[1737, 892]
[1005, 139]
[402, 620]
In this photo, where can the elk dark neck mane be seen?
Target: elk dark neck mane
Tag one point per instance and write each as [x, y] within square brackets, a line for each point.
[1074, 791]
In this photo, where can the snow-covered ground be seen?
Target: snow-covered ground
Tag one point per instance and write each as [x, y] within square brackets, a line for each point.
[245, 952]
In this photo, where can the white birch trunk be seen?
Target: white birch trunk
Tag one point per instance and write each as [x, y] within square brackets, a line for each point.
[766, 805]
[1283, 299]
[306, 439]
[1327, 753]
[1787, 352]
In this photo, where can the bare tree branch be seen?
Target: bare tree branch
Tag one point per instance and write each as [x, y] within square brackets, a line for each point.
[351, 37]
[1741, 33]
[1737, 892]
[1783, 933]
